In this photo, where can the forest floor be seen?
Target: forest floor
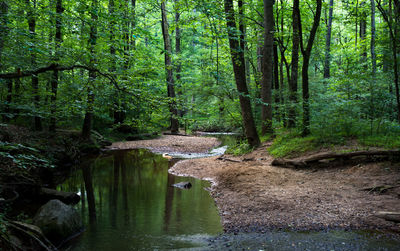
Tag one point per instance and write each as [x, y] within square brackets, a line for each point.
[252, 195]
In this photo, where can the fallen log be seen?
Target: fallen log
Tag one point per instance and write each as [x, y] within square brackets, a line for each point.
[389, 216]
[326, 157]
[66, 197]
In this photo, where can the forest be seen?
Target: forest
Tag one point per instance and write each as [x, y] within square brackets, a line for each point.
[287, 77]
[327, 69]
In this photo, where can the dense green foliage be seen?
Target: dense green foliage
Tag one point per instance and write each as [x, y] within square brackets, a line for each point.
[129, 88]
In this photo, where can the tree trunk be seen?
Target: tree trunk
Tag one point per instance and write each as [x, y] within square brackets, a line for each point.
[373, 35]
[54, 80]
[327, 63]
[178, 53]
[363, 35]
[133, 25]
[87, 122]
[295, 65]
[3, 35]
[267, 64]
[393, 37]
[306, 62]
[7, 110]
[169, 71]
[3, 27]
[35, 79]
[237, 55]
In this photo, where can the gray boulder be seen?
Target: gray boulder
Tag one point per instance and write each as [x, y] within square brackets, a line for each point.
[58, 221]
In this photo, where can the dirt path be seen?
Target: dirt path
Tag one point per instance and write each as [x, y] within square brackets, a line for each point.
[252, 195]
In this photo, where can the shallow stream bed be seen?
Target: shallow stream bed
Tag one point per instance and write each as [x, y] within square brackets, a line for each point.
[128, 203]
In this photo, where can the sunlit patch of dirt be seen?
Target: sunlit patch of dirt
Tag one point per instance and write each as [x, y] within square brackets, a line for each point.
[171, 144]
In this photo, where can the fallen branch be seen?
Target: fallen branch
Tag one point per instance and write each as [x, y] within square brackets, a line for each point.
[379, 189]
[226, 159]
[327, 156]
[389, 216]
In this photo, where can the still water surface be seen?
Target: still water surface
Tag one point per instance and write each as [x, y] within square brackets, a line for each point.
[128, 204]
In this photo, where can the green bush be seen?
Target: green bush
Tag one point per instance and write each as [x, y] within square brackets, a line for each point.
[239, 148]
[290, 144]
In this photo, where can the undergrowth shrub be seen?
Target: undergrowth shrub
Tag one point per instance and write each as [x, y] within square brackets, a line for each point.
[290, 144]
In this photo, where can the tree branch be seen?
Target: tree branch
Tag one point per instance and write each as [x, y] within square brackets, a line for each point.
[54, 67]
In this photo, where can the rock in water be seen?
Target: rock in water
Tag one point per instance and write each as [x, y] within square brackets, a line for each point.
[58, 221]
[183, 185]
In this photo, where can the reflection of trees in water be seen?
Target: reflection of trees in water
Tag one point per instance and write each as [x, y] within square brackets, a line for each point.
[87, 178]
[114, 194]
[169, 198]
[83, 199]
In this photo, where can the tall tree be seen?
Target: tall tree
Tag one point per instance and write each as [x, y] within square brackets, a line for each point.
[327, 62]
[35, 79]
[295, 64]
[306, 62]
[239, 69]
[373, 35]
[54, 79]
[363, 34]
[87, 122]
[267, 73]
[3, 26]
[178, 64]
[4, 30]
[169, 70]
[393, 29]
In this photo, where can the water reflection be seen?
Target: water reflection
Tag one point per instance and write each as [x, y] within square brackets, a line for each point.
[128, 203]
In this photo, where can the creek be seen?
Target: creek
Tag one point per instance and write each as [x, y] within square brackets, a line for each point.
[128, 203]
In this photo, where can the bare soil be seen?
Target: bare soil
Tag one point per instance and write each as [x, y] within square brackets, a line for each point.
[252, 195]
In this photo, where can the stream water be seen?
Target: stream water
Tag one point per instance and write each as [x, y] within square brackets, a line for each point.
[128, 203]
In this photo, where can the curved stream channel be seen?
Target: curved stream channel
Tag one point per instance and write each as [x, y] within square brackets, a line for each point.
[128, 203]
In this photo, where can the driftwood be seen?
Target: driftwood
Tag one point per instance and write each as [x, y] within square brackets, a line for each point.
[389, 216]
[326, 157]
[379, 189]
